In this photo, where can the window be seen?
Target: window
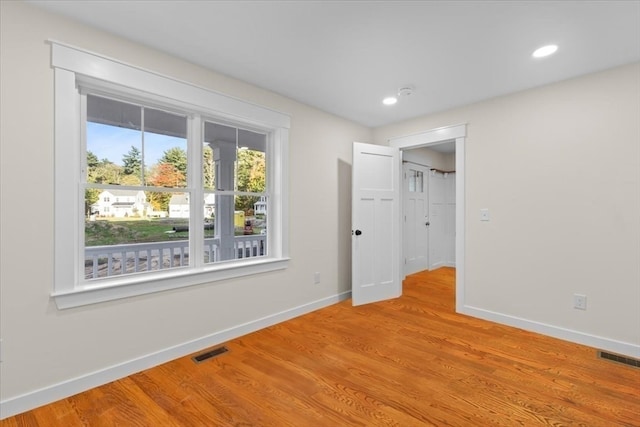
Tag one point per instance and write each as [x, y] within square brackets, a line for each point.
[416, 181]
[161, 186]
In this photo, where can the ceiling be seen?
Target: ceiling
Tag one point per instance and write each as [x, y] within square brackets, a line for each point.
[344, 57]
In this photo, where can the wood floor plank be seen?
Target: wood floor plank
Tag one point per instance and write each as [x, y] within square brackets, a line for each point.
[411, 361]
[63, 413]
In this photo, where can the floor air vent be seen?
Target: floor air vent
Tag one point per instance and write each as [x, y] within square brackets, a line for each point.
[209, 354]
[620, 359]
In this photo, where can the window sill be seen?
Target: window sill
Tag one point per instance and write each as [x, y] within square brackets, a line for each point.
[166, 280]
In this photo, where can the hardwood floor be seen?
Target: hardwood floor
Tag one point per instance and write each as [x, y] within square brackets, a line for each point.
[407, 362]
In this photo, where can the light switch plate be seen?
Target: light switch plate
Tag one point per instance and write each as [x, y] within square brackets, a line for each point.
[484, 214]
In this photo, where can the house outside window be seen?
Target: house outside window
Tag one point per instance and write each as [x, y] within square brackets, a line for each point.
[181, 163]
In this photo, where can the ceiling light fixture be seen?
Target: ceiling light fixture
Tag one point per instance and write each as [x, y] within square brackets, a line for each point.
[390, 100]
[545, 51]
[403, 92]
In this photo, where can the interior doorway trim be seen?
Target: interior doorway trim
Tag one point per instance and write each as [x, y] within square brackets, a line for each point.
[457, 133]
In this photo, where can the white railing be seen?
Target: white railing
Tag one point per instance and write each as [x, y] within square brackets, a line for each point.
[113, 260]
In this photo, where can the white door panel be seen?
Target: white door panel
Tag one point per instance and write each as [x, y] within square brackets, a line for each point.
[375, 223]
[416, 218]
[437, 214]
[442, 208]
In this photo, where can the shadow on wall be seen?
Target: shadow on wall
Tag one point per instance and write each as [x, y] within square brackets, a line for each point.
[344, 226]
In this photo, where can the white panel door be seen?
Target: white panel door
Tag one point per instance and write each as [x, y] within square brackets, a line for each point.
[437, 221]
[415, 222]
[375, 223]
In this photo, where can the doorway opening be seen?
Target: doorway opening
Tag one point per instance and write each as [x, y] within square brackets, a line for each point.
[456, 136]
[428, 208]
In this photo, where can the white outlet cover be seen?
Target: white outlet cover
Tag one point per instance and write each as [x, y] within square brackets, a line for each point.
[580, 301]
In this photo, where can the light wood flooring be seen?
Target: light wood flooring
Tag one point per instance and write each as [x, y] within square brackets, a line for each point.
[407, 362]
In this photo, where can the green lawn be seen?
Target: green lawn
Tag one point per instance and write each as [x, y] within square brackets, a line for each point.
[114, 231]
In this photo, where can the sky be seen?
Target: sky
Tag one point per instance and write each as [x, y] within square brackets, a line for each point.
[111, 142]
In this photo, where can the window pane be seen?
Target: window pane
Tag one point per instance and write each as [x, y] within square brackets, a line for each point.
[165, 149]
[233, 159]
[416, 181]
[412, 180]
[208, 167]
[114, 142]
[236, 233]
[124, 234]
[220, 142]
[251, 163]
[131, 145]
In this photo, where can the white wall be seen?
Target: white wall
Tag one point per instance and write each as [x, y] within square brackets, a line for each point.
[44, 347]
[449, 162]
[427, 157]
[559, 169]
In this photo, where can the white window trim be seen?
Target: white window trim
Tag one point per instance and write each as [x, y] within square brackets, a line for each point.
[72, 65]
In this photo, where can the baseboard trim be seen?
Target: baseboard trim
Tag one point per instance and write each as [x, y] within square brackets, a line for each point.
[43, 396]
[601, 343]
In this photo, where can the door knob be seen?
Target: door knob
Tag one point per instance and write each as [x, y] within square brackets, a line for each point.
[358, 232]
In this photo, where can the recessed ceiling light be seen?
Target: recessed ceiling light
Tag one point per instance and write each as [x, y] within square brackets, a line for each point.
[545, 51]
[390, 100]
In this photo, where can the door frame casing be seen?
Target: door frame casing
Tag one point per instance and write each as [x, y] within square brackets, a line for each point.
[457, 133]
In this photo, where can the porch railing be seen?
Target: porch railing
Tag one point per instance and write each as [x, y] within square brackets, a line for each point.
[113, 260]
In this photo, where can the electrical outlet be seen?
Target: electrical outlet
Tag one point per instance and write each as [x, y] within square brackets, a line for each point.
[316, 278]
[580, 301]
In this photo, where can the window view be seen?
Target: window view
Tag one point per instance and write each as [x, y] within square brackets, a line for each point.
[137, 202]
[134, 155]
[160, 184]
[235, 190]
